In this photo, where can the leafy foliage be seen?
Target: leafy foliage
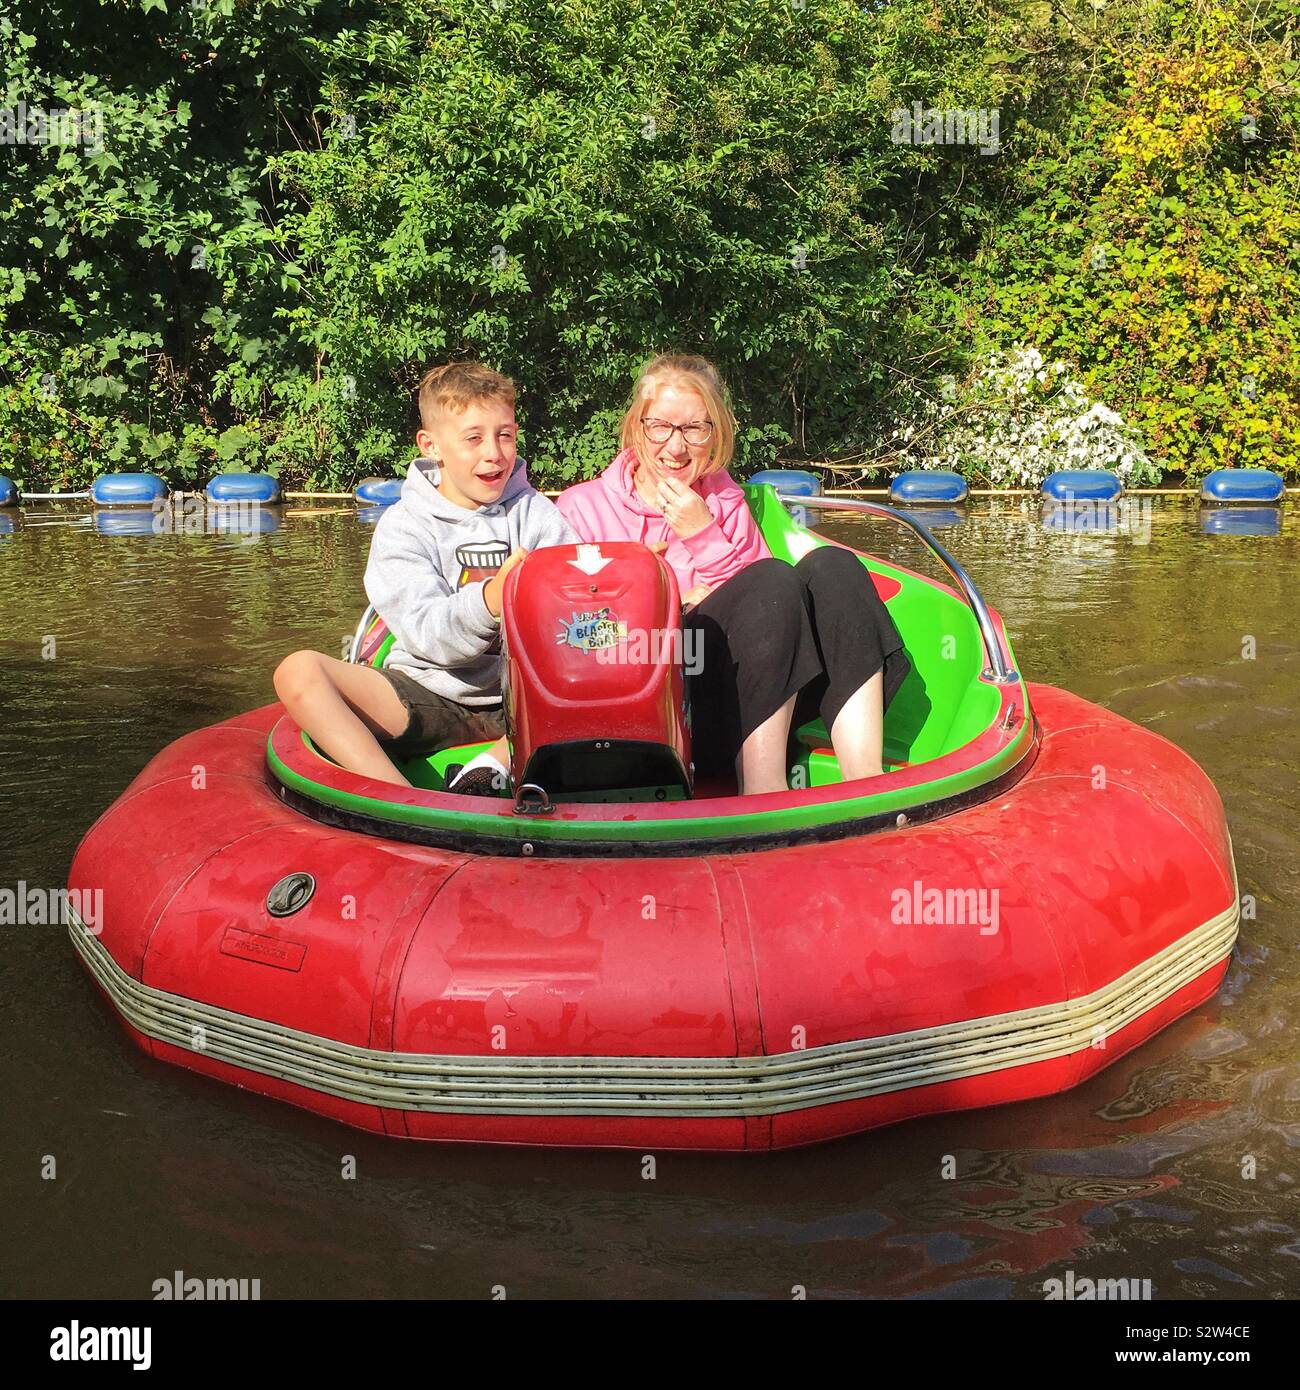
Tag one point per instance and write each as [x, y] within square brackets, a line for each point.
[300, 204]
[1156, 241]
[142, 282]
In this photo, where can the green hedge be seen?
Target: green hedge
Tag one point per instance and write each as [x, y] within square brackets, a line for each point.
[1156, 237]
[297, 206]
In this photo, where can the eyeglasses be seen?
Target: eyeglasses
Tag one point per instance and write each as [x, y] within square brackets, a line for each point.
[660, 431]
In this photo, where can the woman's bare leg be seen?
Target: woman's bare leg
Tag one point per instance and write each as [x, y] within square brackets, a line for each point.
[760, 765]
[858, 733]
[341, 707]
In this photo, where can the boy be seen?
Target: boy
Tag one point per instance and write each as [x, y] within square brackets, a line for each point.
[466, 516]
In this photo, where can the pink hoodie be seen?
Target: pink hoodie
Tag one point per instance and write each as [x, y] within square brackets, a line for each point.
[609, 509]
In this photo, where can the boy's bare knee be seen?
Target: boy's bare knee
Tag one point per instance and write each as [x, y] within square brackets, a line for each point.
[296, 675]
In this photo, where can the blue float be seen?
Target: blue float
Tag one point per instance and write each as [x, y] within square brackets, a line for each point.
[244, 487]
[1078, 484]
[1241, 521]
[8, 492]
[790, 482]
[1242, 485]
[127, 490]
[928, 485]
[379, 492]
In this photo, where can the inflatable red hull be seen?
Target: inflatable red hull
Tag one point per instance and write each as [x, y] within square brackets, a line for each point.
[735, 1001]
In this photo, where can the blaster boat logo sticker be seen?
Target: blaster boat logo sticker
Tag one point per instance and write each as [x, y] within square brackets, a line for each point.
[590, 632]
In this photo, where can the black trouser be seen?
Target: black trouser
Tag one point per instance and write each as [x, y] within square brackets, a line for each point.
[817, 629]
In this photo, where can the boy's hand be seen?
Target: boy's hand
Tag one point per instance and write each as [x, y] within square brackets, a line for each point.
[494, 588]
[683, 508]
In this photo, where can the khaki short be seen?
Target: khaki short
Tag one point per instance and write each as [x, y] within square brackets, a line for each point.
[435, 722]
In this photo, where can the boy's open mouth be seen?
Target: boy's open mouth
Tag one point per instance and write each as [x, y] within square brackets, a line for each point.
[492, 477]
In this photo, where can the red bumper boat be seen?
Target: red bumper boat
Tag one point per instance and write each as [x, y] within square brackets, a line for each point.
[611, 955]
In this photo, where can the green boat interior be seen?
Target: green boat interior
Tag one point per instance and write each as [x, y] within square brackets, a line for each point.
[950, 697]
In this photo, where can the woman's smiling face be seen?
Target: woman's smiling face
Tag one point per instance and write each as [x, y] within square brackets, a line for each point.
[674, 458]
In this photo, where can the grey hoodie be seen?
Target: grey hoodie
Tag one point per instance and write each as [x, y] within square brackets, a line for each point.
[419, 577]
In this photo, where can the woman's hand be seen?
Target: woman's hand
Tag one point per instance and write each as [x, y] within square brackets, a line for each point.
[696, 595]
[683, 508]
[494, 589]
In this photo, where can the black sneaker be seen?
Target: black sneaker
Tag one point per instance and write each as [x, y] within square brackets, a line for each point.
[480, 781]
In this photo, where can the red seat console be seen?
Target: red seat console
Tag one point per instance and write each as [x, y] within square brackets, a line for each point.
[592, 676]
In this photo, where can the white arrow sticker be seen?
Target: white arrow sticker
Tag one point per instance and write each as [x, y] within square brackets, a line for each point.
[590, 560]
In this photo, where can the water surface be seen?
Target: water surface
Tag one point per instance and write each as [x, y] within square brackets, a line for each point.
[112, 645]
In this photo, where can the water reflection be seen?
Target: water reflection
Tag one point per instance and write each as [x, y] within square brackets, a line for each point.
[134, 521]
[192, 515]
[1125, 516]
[244, 520]
[1241, 521]
[937, 518]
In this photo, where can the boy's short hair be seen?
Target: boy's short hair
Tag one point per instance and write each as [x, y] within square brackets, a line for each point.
[457, 385]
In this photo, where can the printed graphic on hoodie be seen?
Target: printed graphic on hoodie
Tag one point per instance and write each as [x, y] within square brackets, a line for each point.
[480, 561]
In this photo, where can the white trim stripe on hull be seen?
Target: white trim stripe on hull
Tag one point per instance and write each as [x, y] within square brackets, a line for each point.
[720, 1087]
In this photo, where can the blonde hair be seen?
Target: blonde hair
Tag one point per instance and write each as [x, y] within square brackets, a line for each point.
[696, 374]
[458, 385]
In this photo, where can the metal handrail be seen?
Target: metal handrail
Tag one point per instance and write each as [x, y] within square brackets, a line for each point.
[997, 669]
[360, 633]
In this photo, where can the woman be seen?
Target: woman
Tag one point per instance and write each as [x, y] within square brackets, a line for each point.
[780, 641]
